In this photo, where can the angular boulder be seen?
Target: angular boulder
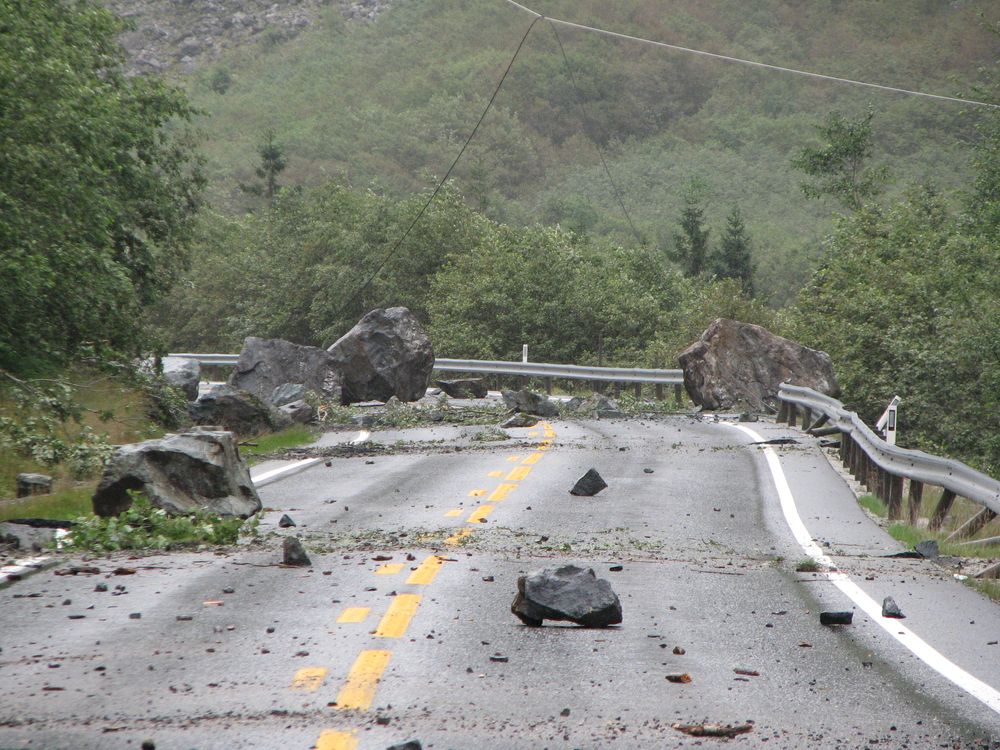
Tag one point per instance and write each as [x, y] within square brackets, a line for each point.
[287, 393]
[238, 411]
[388, 353]
[299, 412]
[180, 473]
[33, 484]
[529, 402]
[589, 484]
[568, 593]
[596, 405]
[266, 364]
[463, 387]
[183, 373]
[737, 364]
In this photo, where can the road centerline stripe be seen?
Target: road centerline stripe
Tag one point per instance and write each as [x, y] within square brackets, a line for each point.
[426, 571]
[518, 473]
[309, 678]
[533, 458]
[332, 740]
[933, 658]
[480, 513]
[354, 614]
[359, 690]
[388, 569]
[501, 492]
[397, 618]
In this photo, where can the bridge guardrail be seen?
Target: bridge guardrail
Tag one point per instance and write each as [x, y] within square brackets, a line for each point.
[617, 375]
[882, 467]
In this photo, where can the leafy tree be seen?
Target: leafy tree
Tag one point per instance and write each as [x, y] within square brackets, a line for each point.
[733, 259]
[272, 163]
[839, 167]
[96, 191]
[691, 243]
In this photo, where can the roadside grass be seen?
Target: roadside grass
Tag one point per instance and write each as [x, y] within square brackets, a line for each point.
[112, 408]
[808, 565]
[990, 588]
[59, 506]
[291, 437]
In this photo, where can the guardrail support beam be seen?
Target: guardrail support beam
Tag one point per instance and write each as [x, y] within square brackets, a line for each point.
[895, 497]
[942, 509]
[678, 394]
[548, 386]
[638, 391]
[916, 495]
[659, 391]
[782, 413]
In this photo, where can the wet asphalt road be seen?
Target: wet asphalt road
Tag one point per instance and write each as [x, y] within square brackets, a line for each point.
[401, 628]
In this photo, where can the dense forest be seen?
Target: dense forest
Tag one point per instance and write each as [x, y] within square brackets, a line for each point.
[615, 200]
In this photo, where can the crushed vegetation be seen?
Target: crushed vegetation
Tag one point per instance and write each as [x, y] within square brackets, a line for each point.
[144, 527]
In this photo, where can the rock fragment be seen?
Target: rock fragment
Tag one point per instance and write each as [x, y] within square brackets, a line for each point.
[568, 593]
[293, 552]
[891, 609]
[928, 549]
[836, 618]
[520, 420]
[713, 730]
[411, 745]
[464, 387]
[286, 521]
[589, 484]
[33, 484]
[529, 402]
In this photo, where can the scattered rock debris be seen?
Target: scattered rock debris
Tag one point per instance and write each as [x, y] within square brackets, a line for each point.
[411, 745]
[836, 618]
[713, 730]
[891, 609]
[589, 484]
[293, 553]
[286, 521]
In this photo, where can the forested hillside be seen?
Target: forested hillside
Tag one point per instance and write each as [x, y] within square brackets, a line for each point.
[389, 104]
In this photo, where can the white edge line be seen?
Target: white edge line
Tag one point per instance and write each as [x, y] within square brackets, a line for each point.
[282, 472]
[933, 658]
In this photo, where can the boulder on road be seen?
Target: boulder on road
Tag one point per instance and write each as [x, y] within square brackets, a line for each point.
[180, 473]
[388, 353]
[568, 593]
[529, 402]
[741, 364]
[238, 411]
[596, 405]
[266, 364]
[293, 553]
[519, 420]
[287, 393]
[300, 412]
[463, 387]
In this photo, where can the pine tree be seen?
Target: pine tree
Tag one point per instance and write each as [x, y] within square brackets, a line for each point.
[691, 244]
[734, 258]
[272, 163]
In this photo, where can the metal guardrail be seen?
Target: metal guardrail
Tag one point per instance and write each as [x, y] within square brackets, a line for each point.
[882, 467]
[635, 376]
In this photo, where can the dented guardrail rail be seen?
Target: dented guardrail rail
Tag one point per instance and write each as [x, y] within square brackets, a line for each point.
[882, 467]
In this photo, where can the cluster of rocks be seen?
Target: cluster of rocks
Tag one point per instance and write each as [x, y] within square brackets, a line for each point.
[169, 35]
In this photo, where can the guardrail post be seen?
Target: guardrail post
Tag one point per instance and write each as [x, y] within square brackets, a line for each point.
[895, 497]
[806, 418]
[942, 509]
[793, 413]
[678, 397]
[659, 391]
[638, 391]
[916, 495]
[972, 527]
[845, 448]
[548, 386]
[618, 390]
[782, 413]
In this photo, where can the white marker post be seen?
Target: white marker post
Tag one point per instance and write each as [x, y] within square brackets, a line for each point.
[887, 422]
[524, 353]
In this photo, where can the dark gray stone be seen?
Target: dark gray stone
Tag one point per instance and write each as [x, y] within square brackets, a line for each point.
[363, 420]
[34, 534]
[288, 393]
[528, 402]
[411, 745]
[266, 364]
[183, 373]
[293, 553]
[741, 364]
[386, 354]
[928, 549]
[463, 387]
[300, 412]
[891, 609]
[33, 484]
[594, 405]
[568, 593]
[589, 484]
[836, 618]
[238, 411]
[286, 521]
[197, 470]
[520, 420]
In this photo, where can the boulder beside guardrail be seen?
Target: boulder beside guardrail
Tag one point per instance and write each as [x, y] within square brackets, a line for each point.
[882, 468]
[636, 377]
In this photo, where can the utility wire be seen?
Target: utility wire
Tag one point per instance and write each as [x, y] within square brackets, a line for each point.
[351, 299]
[600, 151]
[753, 63]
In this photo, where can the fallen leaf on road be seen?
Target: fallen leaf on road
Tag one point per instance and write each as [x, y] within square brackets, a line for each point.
[683, 678]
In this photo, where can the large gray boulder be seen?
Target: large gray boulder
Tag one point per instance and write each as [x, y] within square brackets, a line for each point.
[386, 354]
[569, 593]
[463, 387]
[529, 402]
[266, 364]
[180, 473]
[737, 364]
[183, 373]
[238, 411]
